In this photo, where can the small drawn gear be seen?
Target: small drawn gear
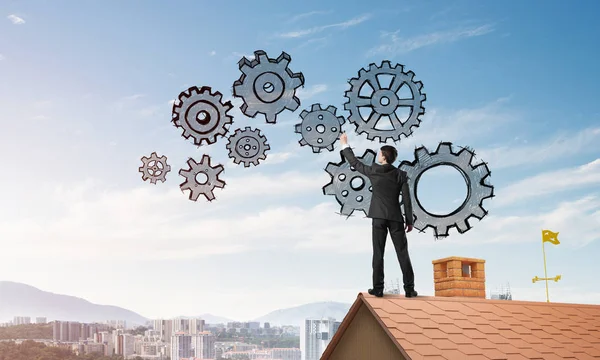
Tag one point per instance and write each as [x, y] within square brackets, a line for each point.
[197, 187]
[267, 85]
[352, 189]
[202, 115]
[384, 101]
[475, 176]
[154, 168]
[247, 146]
[320, 128]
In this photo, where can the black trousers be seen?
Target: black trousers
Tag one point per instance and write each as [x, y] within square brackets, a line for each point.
[398, 235]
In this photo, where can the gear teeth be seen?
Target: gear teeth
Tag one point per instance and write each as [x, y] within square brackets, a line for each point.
[365, 76]
[328, 189]
[253, 103]
[475, 177]
[444, 148]
[303, 114]
[462, 226]
[315, 107]
[316, 150]
[332, 109]
[330, 148]
[341, 187]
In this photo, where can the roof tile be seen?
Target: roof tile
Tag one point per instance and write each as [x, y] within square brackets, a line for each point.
[444, 344]
[454, 355]
[434, 334]
[464, 328]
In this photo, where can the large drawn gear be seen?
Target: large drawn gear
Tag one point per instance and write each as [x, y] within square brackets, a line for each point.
[348, 195]
[202, 115]
[320, 128]
[267, 85]
[154, 168]
[247, 146]
[205, 188]
[475, 176]
[384, 101]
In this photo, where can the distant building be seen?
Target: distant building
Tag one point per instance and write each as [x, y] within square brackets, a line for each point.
[198, 346]
[21, 320]
[40, 320]
[117, 324]
[315, 335]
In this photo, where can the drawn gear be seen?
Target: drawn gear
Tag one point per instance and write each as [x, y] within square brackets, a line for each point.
[320, 128]
[348, 195]
[476, 178]
[202, 115]
[154, 168]
[247, 146]
[267, 85]
[384, 102]
[205, 188]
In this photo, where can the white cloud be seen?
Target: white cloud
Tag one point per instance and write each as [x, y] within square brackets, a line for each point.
[314, 44]
[161, 218]
[242, 55]
[397, 44]
[212, 53]
[307, 93]
[2, 57]
[305, 15]
[550, 183]
[15, 19]
[584, 141]
[317, 29]
[444, 125]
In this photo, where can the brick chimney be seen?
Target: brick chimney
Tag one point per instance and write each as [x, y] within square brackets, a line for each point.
[459, 276]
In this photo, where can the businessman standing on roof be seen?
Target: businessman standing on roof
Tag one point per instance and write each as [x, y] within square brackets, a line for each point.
[387, 183]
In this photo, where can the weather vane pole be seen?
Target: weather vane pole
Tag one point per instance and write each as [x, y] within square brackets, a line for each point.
[551, 237]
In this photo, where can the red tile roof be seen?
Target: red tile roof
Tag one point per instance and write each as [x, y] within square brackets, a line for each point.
[470, 328]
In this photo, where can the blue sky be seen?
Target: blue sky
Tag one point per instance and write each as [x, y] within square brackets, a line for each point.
[86, 91]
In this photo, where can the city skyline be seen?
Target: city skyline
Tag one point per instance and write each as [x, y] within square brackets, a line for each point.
[87, 90]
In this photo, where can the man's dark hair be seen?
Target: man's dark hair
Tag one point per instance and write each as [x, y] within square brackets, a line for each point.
[389, 153]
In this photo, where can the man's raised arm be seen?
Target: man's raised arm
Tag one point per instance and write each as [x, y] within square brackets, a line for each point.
[348, 154]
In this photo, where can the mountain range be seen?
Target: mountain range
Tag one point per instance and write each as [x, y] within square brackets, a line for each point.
[17, 299]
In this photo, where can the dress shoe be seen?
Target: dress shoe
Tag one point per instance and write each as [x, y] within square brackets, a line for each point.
[378, 293]
[411, 293]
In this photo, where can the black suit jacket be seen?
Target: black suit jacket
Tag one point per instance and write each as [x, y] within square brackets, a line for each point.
[388, 182]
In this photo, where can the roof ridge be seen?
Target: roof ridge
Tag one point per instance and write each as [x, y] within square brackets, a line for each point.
[479, 300]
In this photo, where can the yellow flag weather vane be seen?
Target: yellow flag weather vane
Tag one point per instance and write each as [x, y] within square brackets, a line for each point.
[552, 238]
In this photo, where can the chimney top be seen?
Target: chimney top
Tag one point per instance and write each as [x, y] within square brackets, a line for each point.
[459, 276]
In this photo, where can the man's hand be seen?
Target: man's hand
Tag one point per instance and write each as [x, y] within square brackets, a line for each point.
[343, 138]
[408, 228]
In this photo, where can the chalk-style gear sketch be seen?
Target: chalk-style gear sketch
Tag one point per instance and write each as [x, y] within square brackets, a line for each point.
[476, 178]
[247, 146]
[320, 128]
[202, 115]
[267, 86]
[154, 168]
[351, 189]
[384, 101]
[201, 186]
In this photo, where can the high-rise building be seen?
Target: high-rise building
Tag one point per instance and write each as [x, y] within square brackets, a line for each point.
[21, 320]
[196, 326]
[40, 320]
[198, 346]
[74, 331]
[204, 345]
[181, 346]
[165, 328]
[286, 353]
[315, 335]
[125, 345]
